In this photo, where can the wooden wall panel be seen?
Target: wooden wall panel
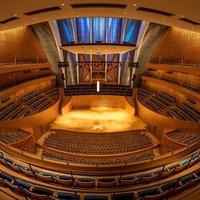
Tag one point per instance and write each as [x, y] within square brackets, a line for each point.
[26, 86]
[175, 68]
[177, 44]
[87, 101]
[22, 44]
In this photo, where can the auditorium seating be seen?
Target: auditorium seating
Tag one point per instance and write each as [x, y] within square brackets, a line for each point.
[184, 137]
[136, 182]
[119, 90]
[166, 105]
[30, 103]
[139, 157]
[106, 143]
[10, 136]
[39, 191]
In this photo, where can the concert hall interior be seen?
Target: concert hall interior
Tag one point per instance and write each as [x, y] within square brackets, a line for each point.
[99, 100]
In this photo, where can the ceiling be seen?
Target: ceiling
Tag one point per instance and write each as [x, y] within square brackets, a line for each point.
[182, 14]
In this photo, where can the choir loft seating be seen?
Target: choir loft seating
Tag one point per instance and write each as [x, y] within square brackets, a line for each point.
[119, 90]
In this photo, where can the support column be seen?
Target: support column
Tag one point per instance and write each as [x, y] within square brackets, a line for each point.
[119, 69]
[77, 70]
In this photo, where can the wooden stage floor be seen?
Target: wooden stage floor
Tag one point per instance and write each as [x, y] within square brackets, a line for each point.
[98, 120]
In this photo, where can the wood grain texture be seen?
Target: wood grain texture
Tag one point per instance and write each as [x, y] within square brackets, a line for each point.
[20, 45]
[177, 44]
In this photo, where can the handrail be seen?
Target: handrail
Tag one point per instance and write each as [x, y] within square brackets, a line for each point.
[64, 167]
[136, 187]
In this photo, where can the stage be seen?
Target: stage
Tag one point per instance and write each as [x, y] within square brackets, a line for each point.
[98, 119]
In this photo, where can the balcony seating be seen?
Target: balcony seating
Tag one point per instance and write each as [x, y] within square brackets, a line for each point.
[165, 172]
[38, 193]
[148, 178]
[123, 196]
[127, 181]
[166, 105]
[85, 182]
[95, 197]
[31, 103]
[64, 180]
[21, 187]
[184, 137]
[106, 182]
[45, 176]
[148, 192]
[162, 195]
[12, 135]
[67, 195]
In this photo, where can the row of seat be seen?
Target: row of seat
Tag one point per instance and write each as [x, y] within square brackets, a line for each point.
[97, 144]
[33, 191]
[185, 138]
[12, 136]
[165, 104]
[119, 90]
[31, 103]
[109, 161]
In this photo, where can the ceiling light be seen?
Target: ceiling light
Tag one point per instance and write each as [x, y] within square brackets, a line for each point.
[125, 13]
[72, 12]
[135, 4]
[62, 4]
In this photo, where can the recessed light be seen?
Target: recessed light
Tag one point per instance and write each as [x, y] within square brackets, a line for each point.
[125, 13]
[33, 17]
[62, 4]
[182, 15]
[72, 12]
[163, 19]
[15, 15]
[135, 4]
